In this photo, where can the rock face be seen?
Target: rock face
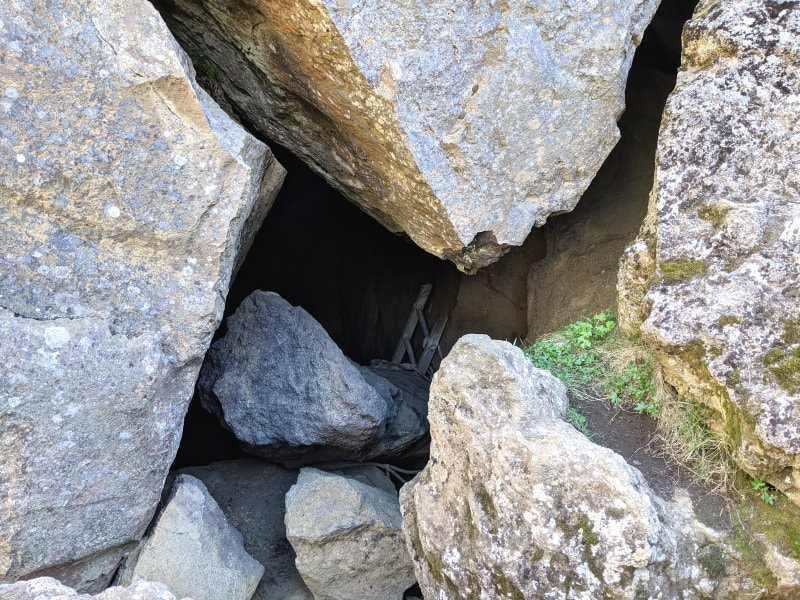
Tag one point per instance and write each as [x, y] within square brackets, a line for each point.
[516, 503]
[47, 588]
[252, 494]
[127, 197]
[713, 283]
[462, 126]
[346, 533]
[278, 381]
[193, 550]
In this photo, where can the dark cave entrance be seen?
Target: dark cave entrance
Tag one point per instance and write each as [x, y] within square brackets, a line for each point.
[320, 252]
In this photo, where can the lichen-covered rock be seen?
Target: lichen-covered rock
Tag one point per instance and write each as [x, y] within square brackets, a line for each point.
[280, 383]
[713, 283]
[346, 533]
[47, 588]
[516, 503]
[126, 196]
[252, 494]
[463, 125]
[193, 550]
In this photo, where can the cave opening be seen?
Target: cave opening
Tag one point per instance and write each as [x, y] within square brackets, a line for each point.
[359, 281]
[318, 251]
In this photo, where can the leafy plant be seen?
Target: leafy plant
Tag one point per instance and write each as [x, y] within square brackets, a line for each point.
[598, 364]
[764, 490]
[634, 385]
[571, 354]
[578, 421]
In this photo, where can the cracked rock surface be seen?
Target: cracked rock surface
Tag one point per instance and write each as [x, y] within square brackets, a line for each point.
[463, 125]
[126, 198]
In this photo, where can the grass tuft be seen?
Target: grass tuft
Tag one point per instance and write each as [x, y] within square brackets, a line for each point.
[597, 363]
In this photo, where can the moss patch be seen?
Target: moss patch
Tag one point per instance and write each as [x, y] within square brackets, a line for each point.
[504, 587]
[487, 504]
[682, 269]
[787, 374]
[728, 320]
[714, 214]
[753, 519]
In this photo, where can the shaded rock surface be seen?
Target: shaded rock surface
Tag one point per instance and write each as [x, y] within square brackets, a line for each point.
[462, 126]
[252, 493]
[127, 199]
[516, 503]
[346, 533]
[47, 588]
[287, 392]
[713, 282]
[193, 550]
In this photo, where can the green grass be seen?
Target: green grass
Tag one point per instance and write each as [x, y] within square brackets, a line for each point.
[597, 363]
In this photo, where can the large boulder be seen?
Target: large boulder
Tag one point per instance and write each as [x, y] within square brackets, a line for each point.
[463, 125]
[516, 503]
[252, 494]
[193, 550]
[127, 198]
[47, 588]
[280, 383]
[346, 533]
[713, 282]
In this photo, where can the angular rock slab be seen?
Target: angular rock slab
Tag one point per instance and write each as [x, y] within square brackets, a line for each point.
[47, 588]
[713, 283]
[280, 383]
[252, 495]
[126, 197]
[193, 550]
[346, 533]
[516, 503]
[463, 125]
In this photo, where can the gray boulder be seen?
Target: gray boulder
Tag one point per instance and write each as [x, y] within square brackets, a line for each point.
[279, 382]
[193, 550]
[463, 125]
[252, 494]
[346, 534]
[47, 588]
[516, 503]
[712, 285]
[128, 197]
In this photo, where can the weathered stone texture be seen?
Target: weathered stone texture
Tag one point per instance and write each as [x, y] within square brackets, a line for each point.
[346, 533]
[516, 503]
[252, 494]
[280, 383]
[47, 588]
[463, 125]
[126, 197]
[713, 283]
[193, 550]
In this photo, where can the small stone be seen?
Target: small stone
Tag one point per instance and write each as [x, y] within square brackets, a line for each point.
[346, 534]
[193, 550]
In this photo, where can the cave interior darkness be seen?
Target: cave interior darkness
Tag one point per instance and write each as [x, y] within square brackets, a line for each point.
[319, 251]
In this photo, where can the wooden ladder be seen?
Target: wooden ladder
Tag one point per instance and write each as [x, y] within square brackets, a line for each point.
[431, 337]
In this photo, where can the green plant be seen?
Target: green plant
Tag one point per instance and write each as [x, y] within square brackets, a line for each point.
[764, 490]
[596, 363]
[571, 354]
[634, 385]
[203, 65]
[578, 421]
